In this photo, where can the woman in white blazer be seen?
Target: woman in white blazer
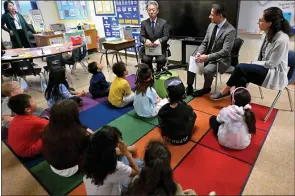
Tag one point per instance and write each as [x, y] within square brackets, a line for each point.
[271, 68]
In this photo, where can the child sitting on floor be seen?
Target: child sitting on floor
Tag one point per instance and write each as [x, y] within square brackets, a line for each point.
[64, 138]
[58, 89]
[10, 89]
[24, 133]
[120, 94]
[99, 87]
[147, 103]
[103, 173]
[235, 123]
[176, 118]
[156, 177]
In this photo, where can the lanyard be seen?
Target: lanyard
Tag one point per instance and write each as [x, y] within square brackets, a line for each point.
[16, 19]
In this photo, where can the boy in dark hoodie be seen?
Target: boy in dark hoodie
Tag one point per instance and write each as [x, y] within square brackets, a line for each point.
[176, 118]
[99, 87]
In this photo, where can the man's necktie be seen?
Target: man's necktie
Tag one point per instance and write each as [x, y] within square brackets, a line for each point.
[153, 27]
[212, 39]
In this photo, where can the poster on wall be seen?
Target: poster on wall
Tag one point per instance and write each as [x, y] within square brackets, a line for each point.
[136, 36]
[128, 12]
[104, 8]
[111, 27]
[72, 10]
[37, 17]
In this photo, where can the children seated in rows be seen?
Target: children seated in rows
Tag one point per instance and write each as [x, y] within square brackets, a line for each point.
[235, 123]
[25, 129]
[99, 87]
[176, 118]
[147, 103]
[103, 173]
[58, 89]
[10, 89]
[65, 138]
[120, 94]
[156, 177]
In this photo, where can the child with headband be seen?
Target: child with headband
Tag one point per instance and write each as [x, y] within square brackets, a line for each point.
[235, 123]
[146, 103]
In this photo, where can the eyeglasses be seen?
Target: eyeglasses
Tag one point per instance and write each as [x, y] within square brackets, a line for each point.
[261, 20]
[149, 10]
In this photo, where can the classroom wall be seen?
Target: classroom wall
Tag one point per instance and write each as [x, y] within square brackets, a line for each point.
[248, 52]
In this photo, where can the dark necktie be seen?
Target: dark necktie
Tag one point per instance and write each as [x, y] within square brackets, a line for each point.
[153, 27]
[212, 39]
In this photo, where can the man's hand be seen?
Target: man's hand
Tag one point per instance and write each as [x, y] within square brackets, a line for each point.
[197, 56]
[202, 58]
[157, 43]
[148, 42]
[11, 32]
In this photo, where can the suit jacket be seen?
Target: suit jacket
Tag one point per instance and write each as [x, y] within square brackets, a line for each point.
[222, 46]
[276, 60]
[161, 32]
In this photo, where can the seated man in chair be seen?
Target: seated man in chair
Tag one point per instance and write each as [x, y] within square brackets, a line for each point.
[217, 45]
[154, 32]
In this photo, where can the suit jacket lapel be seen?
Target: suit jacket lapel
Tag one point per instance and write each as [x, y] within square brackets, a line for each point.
[221, 31]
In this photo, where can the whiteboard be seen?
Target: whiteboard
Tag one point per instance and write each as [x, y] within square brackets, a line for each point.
[250, 12]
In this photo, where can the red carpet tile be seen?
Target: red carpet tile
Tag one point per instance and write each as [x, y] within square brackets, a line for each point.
[206, 170]
[248, 155]
[260, 113]
[202, 126]
[80, 190]
[177, 152]
[205, 104]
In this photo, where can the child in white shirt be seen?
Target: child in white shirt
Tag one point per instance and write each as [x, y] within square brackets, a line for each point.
[235, 123]
[103, 173]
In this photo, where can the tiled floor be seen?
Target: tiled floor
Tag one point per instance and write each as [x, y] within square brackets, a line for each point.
[273, 172]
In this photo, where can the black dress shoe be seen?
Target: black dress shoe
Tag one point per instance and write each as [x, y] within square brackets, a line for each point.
[189, 90]
[201, 92]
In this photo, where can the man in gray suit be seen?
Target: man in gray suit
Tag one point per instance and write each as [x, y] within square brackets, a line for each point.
[216, 45]
[154, 31]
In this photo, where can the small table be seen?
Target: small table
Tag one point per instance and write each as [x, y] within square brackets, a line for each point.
[119, 45]
[32, 53]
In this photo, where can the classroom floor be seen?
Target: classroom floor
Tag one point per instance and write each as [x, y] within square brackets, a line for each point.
[273, 173]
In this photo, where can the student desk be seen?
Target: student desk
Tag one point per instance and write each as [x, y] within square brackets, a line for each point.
[117, 46]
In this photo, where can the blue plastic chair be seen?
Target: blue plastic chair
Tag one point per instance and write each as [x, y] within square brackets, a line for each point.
[291, 77]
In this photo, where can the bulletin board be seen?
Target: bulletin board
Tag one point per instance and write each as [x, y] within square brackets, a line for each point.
[104, 8]
[111, 27]
[250, 12]
[128, 12]
[72, 10]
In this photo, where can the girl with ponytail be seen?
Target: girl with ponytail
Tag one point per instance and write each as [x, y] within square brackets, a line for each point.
[235, 123]
[156, 177]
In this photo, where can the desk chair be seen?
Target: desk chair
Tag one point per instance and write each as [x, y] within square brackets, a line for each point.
[102, 51]
[291, 77]
[25, 68]
[234, 57]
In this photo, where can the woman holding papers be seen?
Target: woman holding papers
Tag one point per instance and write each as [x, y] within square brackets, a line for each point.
[16, 26]
[270, 70]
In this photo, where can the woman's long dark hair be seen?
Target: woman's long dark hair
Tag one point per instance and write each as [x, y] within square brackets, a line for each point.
[242, 97]
[5, 5]
[278, 22]
[64, 135]
[156, 177]
[56, 78]
[100, 157]
[144, 79]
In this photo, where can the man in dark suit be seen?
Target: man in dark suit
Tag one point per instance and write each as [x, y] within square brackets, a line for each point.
[154, 32]
[217, 45]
